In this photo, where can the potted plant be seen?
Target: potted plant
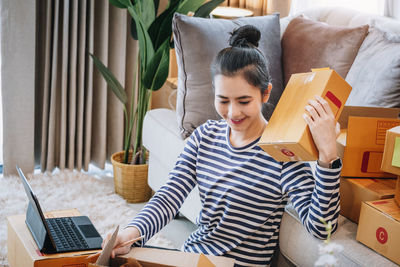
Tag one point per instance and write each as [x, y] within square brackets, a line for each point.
[154, 36]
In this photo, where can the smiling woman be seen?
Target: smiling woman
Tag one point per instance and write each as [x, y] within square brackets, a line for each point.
[240, 103]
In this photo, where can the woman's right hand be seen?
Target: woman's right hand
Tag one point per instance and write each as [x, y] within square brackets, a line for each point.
[123, 236]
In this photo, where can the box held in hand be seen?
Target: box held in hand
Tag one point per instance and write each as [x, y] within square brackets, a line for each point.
[379, 228]
[287, 136]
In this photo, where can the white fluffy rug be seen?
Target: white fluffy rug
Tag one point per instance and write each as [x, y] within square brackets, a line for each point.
[92, 196]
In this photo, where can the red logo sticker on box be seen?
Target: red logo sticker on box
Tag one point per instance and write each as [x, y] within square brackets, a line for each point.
[380, 202]
[287, 152]
[331, 98]
[381, 235]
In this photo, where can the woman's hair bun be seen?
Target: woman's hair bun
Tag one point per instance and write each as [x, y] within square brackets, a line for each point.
[245, 36]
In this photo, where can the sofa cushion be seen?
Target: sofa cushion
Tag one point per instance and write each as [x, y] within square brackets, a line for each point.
[197, 42]
[336, 47]
[375, 73]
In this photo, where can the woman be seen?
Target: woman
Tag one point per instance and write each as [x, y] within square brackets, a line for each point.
[243, 190]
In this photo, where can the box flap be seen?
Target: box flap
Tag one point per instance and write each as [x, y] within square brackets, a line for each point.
[204, 261]
[382, 187]
[387, 206]
[366, 112]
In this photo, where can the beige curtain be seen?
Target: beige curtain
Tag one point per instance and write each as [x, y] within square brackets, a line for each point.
[81, 119]
[262, 7]
[70, 116]
[17, 83]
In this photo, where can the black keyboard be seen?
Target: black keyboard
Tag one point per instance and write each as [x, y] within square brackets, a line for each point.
[66, 235]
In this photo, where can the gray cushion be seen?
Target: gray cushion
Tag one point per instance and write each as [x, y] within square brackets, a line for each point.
[375, 73]
[335, 47]
[197, 42]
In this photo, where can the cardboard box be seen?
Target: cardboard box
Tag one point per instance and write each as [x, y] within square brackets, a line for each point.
[154, 257]
[391, 152]
[354, 191]
[365, 143]
[379, 228]
[287, 136]
[397, 192]
[23, 251]
[355, 111]
[151, 257]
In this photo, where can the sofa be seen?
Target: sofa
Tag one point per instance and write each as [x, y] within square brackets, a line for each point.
[164, 137]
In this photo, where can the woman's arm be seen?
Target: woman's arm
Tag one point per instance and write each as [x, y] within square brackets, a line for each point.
[317, 197]
[165, 204]
[314, 198]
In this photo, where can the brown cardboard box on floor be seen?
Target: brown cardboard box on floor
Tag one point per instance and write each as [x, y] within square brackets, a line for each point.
[152, 257]
[365, 142]
[353, 191]
[379, 228]
[23, 251]
[156, 257]
[287, 136]
[391, 152]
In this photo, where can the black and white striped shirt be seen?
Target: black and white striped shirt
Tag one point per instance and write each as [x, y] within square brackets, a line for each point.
[243, 193]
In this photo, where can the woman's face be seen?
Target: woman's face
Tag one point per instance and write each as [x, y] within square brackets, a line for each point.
[238, 102]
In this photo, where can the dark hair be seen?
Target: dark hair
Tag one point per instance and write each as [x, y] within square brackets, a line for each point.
[244, 58]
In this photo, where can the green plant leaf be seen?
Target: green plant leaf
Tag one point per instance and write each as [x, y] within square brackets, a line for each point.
[147, 13]
[126, 3]
[162, 71]
[112, 82]
[133, 29]
[189, 5]
[156, 5]
[164, 21]
[157, 70]
[205, 10]
[165, 31]
[117, 3]
[146, 50]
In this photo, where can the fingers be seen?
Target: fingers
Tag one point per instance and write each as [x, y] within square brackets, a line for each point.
[319, 107]
[119, 251]
[313, 114]
[308, 120]
[325, 105]
[337, 129]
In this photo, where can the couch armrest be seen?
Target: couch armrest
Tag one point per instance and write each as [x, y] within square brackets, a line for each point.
[162, 139]
[161, 135]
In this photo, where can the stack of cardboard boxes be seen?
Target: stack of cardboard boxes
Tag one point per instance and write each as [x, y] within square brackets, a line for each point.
[379, 222]
[363, 148]
[369, 145]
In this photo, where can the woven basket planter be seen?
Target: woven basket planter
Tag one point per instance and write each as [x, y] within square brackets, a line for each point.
[130, 181]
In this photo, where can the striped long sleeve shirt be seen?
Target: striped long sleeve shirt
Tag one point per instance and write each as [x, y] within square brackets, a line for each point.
[243, 192]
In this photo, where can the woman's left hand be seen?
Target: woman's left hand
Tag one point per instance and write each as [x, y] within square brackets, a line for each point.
[324, 129]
